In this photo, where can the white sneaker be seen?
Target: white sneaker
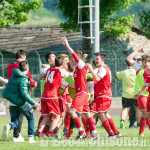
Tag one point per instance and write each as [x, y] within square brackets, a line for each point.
[31, 140]
[19, 139]
[6, 129]
[111, 137]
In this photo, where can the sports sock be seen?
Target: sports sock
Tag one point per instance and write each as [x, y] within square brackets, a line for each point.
[142, 125]
[78, 124]
[148, 123]
[91, 124]
[67, 121]
[107, 127]
[112, 125]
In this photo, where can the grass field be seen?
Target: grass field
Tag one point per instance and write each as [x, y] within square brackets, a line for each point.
[129, 140]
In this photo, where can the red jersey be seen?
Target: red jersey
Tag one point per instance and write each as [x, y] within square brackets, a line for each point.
[80, 75]
[146, 76]
[102, 88]
[14, 65]
[52, 83]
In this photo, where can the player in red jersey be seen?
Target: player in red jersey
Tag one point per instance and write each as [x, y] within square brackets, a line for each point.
[80, 102]
[146, 86]
[20, 56]
[49, 99]
[103, 94]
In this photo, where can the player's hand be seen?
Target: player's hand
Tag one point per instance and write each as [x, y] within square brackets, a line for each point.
[43, 66]
[89, 66]
[36, 105]
[64, 41]
[85, 56]
[136, 96]
[141, 50]
[34, 86]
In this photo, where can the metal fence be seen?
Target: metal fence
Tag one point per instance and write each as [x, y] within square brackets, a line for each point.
[115, 60]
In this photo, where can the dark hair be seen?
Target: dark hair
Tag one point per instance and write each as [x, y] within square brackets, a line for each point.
[59, 61]
[79, 53]
[23, 65]
[144, 57]
[128, 64]
[47, 55]
[94, 63]
[69, 67]
[21, 53]
[102, 55]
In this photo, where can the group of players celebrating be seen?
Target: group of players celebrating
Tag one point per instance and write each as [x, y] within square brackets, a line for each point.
[52, 102]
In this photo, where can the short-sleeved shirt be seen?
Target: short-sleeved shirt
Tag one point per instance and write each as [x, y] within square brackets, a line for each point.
[146, 76]
[128, 78]
[80, 75]
[102, 88]
[53, 82]
[139, 82]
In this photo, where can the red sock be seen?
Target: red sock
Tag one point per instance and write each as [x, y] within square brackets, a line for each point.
[78, 124]
[112, 125]
[142, 125]
[87, 131]
[39, 134]
[107, 127]
[67, 121]
[148, 123]
[49, 133]
[91, 124]
[46, 129]
[84, 121]
[40, 120]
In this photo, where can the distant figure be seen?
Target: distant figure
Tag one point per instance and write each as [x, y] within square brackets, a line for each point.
[128, 77]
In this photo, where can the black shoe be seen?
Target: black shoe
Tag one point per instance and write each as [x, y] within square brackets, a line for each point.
[65, 130]
[80, 136]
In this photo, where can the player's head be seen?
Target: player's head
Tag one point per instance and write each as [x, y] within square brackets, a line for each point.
[50, 58]
[23, 66]
[66, 60]
[148, 63]
[21, 54]
[144, 60]
[79, 53]
[99, 59]
[128, 64]
[59, 61]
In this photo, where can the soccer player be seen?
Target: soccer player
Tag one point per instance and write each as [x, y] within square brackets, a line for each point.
[80, 102]
[49, 99]
[20, 56]
[103, 94]
[128, 77]
[139, 82]
[17, 92]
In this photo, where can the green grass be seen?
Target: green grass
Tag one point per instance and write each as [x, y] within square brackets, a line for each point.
[43, 17]
[129, 140]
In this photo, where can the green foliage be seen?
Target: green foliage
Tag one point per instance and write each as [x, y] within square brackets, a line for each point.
[145, 22]
[13, 12]
[113, 27]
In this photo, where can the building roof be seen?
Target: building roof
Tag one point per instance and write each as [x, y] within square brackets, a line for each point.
[33, 38]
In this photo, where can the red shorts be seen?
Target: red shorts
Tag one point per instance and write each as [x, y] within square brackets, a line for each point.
[68, 99]
[80, 103]
[148, 103]
[142, 102]
[101, 104]
[50, 106]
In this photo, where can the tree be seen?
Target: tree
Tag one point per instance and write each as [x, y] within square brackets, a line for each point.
[13, 12]
[111, 25]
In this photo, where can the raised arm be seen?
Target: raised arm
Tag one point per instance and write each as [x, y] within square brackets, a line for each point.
[66, 44]
[95, 76]
[132, 55]
[3, 80]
